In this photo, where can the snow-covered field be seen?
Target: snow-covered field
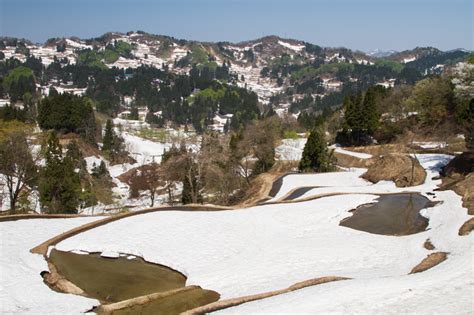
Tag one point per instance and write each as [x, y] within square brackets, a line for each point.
[352, 153]
[273, 246]
[22, 290]
[350, 182]
[333, 182]
[292, 150]
[431, 144]
[144, 151]
[269, 247]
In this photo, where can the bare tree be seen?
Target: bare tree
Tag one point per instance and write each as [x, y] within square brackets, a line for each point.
[146, 178]
[255, 152]
[202, 165]
[17, 165]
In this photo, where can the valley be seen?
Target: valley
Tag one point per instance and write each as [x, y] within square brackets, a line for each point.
[150, 174]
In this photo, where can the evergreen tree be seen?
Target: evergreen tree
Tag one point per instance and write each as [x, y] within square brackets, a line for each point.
[469, 132]
[100, 170]
[75, 155]
[186, 196]
[316, 157]
[68, 113]
[59, 185]
[133, 114]
[109, 135]
[112, 144]
[369, 112]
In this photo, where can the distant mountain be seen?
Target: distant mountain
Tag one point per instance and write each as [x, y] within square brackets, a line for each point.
[378, 53]
[269, 65]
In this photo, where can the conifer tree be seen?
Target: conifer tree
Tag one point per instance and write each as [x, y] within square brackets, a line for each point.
[369, 113]
[186, 194]
[134, 114]
[108, 140]
[349, 113]
[59, 184]
[75, 154]
[100, 170]
[469, 132]
[316, 157]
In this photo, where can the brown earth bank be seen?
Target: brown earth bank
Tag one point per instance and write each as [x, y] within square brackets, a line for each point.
[461, 164]
[345, 160]
[382, 149]
[467, 227]
[57, 282]
[223, 304]
[464, 187]
[428, 245]
[258, 191]
[402, 169]
[429, 262]
[458, 175]
[170, 302]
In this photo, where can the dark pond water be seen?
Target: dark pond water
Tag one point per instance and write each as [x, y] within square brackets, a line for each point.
[298, 192]
[394, 214]
[115, 279]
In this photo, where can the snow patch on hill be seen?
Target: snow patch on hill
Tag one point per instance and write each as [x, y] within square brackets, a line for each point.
[291, 46]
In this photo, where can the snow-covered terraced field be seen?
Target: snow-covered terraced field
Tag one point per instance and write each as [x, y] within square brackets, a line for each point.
[292, 150]
[270, 247]
[22, 290]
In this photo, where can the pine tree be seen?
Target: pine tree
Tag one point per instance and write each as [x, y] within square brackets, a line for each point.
[109, 135]
[316, 157]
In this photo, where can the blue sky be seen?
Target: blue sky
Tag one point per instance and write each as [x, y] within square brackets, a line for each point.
[356, 24]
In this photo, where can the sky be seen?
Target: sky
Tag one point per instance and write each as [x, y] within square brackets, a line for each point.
[357, 24]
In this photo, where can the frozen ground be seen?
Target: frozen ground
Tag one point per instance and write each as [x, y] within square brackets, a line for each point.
[273, 246]
[22, 290]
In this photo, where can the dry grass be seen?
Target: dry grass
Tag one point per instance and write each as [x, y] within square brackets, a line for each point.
[429, 262]
[345, 160]
[428, 245]
[464, 187]
[467, 227]
[399, 168]
[169, 302]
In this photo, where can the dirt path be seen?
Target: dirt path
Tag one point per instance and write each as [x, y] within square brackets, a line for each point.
[223, 304]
